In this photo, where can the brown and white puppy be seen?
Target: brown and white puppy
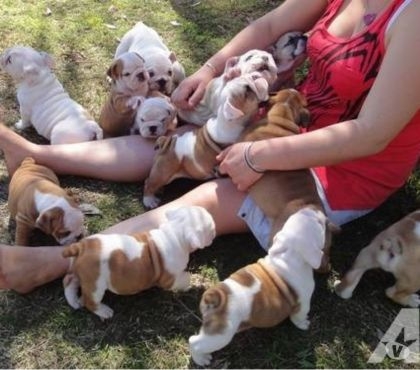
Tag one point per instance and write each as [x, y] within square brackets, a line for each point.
[164, 69]
[252, 61]
[129, 87]
[155, 117]
[279, 194]
[396, 250]
[193, 154]
[264, 293]
[289, 52]
[36, 200]
[43, 102]
[128, 264]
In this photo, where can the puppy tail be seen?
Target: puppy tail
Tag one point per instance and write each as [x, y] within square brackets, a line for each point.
[213, 308]
[73, 250]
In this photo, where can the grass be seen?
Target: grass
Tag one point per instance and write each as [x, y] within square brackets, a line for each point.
[151, 329]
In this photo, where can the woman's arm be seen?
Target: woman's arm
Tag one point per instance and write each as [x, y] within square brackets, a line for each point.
[258, 35]
[389, 106]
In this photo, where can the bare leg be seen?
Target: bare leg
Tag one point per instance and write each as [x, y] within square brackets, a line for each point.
[25, 268]
[126, 158]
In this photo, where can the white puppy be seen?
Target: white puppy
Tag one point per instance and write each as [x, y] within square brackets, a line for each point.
[128, 264]
[164, 69]
[252, 61]
[43, 101]
[265, 293]
[289, 52]
[193, 154]
[154, 118]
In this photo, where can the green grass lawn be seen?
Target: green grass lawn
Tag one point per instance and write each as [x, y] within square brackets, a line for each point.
[151, 329]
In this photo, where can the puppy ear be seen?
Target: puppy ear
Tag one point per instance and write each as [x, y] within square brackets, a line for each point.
[48, 60]
[50, 220]
[231, 73]
[115, 70]
[172, 57]
[230, 112]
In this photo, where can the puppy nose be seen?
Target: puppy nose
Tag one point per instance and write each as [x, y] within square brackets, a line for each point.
[161, 83]
[153, 129]
[141, 77]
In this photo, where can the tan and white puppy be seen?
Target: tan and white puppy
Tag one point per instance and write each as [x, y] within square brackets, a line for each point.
[164, 69]
[155, 117]
[43, 102]
[128, 264]
[396, 250]
[252, 61]
[264, 293]
[193, 154]
[36, 200]
[129, 88]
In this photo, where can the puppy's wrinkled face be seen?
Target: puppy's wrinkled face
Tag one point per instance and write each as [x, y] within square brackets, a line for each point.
[23, 63]
[129, 74]
[65, 225]
[289, 50]
[258, 61]
[242, 95]
[154, 117]
[160, 70]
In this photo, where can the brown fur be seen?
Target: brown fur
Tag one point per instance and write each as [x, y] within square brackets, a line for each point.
[270, 306]
[28, 178]
[279, 194]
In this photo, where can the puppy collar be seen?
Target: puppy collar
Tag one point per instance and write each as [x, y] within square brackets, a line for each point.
[284, 288]
[210, 142]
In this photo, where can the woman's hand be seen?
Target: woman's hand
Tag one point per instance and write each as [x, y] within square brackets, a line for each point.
[191, 90]
[232, 162]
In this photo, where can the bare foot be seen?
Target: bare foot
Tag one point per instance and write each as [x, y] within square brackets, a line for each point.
[15, 148]
[24, 268]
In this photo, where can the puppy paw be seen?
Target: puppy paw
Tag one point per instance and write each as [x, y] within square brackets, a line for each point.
[201, 359]
[134, 102]
[342, 291]
[301, 324]
[21, 125]
[413, 301]
[182, 282]
[150, 201]
[104, 312]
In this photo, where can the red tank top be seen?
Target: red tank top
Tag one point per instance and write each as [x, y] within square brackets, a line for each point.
[341, 74]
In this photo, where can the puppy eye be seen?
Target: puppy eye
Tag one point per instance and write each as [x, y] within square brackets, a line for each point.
[391, 255]
[248, 57]
[170, 73]
[151, 74]
[126, 74]
[142, 119]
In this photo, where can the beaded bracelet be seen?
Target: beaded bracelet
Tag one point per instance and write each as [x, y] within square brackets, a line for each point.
[248, 160]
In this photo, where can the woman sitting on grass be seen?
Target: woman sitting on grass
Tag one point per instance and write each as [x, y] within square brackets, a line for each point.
[363, 89]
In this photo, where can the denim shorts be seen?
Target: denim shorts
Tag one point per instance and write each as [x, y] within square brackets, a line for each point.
[260, 225]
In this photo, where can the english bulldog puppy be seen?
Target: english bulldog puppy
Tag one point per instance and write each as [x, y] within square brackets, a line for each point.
[264, 293]
[164, 69]
[128, 264]
[129, 88]
[36, 200]
[43, 102]
[289, 52]
[396, 250]
[252, 61]
[193, 154]
[154, 118]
